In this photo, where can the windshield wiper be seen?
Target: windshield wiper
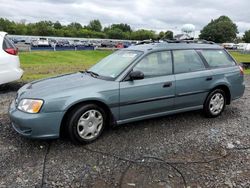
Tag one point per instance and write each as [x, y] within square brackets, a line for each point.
[93, 74]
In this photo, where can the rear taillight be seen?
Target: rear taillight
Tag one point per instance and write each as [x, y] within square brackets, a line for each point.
[11, 51]
[241, 70]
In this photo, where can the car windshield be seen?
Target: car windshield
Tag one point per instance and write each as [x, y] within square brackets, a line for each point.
[114, 64]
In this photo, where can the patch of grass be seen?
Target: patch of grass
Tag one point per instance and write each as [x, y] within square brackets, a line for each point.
[247, 71]
[42, 64]
[239, 57]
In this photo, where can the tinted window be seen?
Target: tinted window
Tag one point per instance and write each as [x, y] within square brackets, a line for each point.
[217, 58]
[155, 64]
[7, 43]
[187, 61]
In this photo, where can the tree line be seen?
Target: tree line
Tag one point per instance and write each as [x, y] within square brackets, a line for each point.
[93, 30]
[218, 30]
[223, 29]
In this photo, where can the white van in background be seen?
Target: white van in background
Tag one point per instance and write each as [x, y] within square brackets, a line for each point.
[244, 46]
[9, 61]
[229, 46]
[247, 47]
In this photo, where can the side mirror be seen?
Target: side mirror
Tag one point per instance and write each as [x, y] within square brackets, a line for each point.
[136, 75]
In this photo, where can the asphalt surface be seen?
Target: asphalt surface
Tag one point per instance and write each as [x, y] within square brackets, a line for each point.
[183, 150]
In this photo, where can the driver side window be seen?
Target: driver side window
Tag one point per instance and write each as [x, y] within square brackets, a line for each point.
[155, 64]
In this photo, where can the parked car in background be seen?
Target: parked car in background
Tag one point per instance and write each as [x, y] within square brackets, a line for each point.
[132, 84]
[34, 42]
[86, 43]
[14, 40]
[247, 47]
[9, 61]
[28, 40]
[43, 42]
[119, 45]
[96, 43]
[229, 46]
[77, 43]
[126, 44]
[108, 44]
[63, 43]
[242, 46]
[52, 42]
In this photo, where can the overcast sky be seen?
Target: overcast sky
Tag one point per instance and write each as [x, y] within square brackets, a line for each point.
[150, 14]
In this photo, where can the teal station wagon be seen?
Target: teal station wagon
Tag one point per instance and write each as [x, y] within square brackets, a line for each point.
[132, 84]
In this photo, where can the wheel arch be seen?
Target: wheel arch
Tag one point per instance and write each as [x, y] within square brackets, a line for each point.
[226, 89]
[111, 121]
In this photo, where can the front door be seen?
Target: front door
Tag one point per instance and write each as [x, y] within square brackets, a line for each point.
[152, 95]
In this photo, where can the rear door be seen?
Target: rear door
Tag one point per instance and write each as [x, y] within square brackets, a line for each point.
[152, 95]
[225, 69]
[193, 80]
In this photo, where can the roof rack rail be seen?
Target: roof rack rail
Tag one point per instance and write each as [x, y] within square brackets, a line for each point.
[197, 41]
[187, 41]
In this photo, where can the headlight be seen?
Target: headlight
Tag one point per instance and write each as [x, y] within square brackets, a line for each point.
[30, 105]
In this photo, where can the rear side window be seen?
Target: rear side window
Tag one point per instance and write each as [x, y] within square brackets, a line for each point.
[155, 64]
[187, 61]
[7, 43]
[217, 58]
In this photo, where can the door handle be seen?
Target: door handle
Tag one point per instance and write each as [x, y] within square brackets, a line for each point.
[167, 84]
[209, 78]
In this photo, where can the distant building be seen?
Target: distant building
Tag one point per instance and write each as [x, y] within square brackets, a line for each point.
[182, 37]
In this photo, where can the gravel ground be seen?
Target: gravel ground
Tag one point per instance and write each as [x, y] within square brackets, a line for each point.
[184, 150]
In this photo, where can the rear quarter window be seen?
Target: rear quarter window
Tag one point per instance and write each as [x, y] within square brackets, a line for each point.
[217, 58]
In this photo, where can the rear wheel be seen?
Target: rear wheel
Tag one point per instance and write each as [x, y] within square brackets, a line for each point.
[215, 103]
[86, 123]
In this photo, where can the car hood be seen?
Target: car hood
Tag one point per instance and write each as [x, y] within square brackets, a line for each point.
[58, 84]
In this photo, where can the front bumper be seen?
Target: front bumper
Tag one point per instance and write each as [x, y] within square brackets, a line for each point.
[39, 126]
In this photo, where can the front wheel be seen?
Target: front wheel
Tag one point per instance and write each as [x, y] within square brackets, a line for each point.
[215, 103]
[86, 123]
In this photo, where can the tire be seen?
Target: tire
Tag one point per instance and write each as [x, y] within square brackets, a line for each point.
[86, 123]
[215, 103]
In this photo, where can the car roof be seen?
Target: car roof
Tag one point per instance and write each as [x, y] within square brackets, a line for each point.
[173, 46]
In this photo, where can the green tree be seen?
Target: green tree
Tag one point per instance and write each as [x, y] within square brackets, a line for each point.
[123, 27]
[7, 26]
[75, 25]
[143, 34]
[74, 29]
[169, 35]
[30, 29]
[246, 36]
[20, 29]
[220, 30]
[161, 35]
[95, 25]
[166, 35]
[57, 25]
[115, 33]
[43, 28]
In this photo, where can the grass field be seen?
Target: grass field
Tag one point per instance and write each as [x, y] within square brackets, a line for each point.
[240, 57]
[42, 64]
